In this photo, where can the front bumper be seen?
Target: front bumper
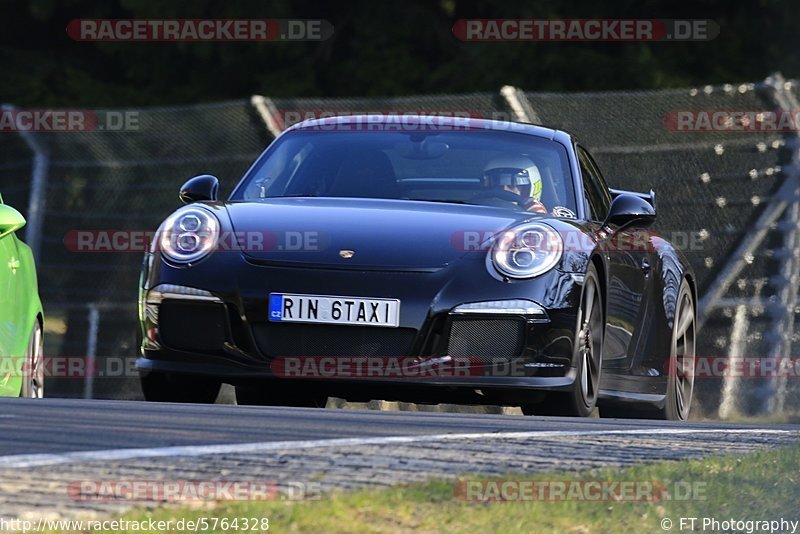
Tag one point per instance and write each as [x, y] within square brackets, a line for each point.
[219, 327]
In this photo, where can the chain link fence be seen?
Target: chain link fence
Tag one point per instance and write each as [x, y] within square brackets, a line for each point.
[726, 189]
[715, 186]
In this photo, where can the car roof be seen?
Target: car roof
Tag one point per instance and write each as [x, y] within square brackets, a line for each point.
[370, 121]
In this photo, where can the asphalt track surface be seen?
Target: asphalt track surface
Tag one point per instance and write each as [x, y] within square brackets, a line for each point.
[47, 446]
[53, 426]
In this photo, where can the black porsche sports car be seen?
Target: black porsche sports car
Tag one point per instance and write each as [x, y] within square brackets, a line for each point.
[420, 259]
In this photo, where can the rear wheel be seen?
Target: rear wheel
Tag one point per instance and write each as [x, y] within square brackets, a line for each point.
[680, 382]
[278, 394]
[168, 387]
[581, 399]
[33, 377]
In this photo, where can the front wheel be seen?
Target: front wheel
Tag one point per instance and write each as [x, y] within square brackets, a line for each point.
[168, 387]
[581, 399]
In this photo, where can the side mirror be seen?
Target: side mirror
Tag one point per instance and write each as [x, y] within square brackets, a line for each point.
[629, 210]
[199, 188]
[10, 220]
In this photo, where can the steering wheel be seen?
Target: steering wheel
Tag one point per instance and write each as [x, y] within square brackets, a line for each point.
[505, 196]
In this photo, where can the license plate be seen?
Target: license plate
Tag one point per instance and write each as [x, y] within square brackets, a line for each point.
[284, 307]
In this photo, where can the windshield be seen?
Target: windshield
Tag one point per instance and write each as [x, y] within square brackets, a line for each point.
[480, 167]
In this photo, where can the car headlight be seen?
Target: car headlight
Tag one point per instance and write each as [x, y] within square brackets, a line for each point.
[527, 250]
[189, 234]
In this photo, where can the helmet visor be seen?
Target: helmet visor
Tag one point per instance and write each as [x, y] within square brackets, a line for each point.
[510, 176]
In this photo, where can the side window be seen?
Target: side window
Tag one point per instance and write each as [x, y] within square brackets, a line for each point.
[598, 200]
[602, 186]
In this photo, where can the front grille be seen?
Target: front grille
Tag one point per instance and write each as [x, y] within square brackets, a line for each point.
[276, 340]
[487, 340]
[192, 326]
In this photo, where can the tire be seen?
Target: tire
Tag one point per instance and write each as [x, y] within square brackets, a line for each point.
[33, 377]
[581, 399]
[276, 394]
[680, 384]
[168, 387]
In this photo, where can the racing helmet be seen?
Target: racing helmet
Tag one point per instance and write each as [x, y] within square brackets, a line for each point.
[514, 170]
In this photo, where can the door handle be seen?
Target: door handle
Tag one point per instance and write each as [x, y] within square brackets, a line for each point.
[645, 266]
[13, 264]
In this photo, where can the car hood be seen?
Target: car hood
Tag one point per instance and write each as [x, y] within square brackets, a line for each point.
[380, 233]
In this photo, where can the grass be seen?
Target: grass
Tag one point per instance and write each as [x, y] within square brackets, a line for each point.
[758, 486]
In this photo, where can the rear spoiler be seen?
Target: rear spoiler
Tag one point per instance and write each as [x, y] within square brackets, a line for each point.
[650, 197]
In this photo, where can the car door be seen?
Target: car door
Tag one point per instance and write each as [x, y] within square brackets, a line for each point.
[8, 315]
[11, 322]
[628, 274]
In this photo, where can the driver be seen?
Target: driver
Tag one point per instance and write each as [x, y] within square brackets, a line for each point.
[515, 179]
